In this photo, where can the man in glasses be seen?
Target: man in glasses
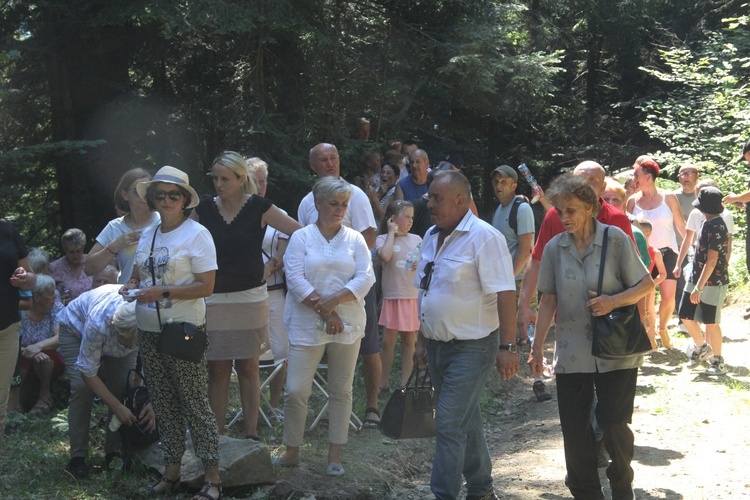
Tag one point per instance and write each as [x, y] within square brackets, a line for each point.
[688, 177]
[467, 308]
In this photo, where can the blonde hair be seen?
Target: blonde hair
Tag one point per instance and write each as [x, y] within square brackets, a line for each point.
[237, 164]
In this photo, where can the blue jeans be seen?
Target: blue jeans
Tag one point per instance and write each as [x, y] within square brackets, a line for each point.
[458, 370]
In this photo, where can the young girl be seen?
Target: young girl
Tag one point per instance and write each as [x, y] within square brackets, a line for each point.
[657, 262]
[399, 252]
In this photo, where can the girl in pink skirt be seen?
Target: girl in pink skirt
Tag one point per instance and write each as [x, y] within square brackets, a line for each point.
[399, 252]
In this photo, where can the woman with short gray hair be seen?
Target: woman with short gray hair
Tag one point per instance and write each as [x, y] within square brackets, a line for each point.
[68, 270]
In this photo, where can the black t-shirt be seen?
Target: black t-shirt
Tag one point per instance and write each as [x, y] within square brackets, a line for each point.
[713, 236]
[238, 244]
[12, 249]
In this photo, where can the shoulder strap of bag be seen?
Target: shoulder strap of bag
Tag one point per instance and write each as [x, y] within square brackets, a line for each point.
[601, 264]
[151, 270]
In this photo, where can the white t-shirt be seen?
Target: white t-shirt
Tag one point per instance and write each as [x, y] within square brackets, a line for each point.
[398, 282]
[126, 257]
[358, 216]
[178, 256]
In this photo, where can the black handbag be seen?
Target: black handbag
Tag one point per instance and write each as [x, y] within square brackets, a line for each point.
[620, 334]
[410, 412]
[180, 340]
[133, 437]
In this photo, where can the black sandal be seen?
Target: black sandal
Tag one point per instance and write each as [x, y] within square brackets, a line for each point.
[203, 493]
[371, 423]
[172, 486]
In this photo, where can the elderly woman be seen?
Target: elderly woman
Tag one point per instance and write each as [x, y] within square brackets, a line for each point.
[329, 272]
[16, 275]
[662, 209]
[98, 331]
[175, 268]
[237, 312]
[117, 241]
[68, 271]
[274, 247]
[39, 341]
[567, 279]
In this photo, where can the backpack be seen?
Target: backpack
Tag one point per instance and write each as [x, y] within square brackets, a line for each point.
[513, 216]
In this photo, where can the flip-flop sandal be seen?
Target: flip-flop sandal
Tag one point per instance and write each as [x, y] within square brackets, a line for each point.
[42, 406]
[371, 423]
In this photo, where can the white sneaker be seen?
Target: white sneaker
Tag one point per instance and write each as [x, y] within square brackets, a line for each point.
[700, 355]
[717, 366]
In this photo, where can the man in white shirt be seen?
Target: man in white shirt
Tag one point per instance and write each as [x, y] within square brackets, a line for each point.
[467, 287]
[324, 161]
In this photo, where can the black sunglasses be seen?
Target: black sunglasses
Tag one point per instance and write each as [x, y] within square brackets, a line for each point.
[173, 195]
[424, 284]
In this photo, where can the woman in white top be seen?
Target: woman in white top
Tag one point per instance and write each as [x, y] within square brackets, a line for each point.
[328, 272]
[663, 210]
[118, 239]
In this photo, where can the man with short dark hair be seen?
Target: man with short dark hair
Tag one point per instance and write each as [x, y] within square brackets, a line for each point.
[467, 307]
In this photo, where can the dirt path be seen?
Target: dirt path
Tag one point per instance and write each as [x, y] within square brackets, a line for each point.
[692, 436]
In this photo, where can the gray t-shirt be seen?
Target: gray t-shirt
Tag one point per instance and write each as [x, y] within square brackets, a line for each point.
[525, 218]
[564, 273]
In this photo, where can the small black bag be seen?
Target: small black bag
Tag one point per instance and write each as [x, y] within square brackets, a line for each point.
[184, 341]
[619, 334]
[410, 412]
[133, 437]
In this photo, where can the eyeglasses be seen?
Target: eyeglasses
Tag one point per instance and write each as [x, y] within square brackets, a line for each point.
[173, 195]
[424, 284]
[686, 174]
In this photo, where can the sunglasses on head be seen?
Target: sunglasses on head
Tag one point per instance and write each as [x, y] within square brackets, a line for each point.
[173, 195]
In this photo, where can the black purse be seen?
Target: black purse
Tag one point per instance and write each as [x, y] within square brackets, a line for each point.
[180, 340]
[133, 437]
[620, 334]
[410, 412]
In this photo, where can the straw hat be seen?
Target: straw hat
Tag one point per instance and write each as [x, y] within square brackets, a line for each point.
[170, 175]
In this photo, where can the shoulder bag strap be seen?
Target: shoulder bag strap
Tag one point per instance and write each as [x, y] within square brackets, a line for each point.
[601, 264]
[151, 270]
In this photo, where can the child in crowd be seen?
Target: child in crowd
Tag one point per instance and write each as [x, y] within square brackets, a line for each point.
[707, 285]
[399, 252]
[657, 262]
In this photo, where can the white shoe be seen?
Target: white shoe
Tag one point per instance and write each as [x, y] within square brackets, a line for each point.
[700, 354]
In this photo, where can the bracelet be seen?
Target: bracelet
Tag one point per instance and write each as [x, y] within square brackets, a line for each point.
[110, 250]
[696, 289]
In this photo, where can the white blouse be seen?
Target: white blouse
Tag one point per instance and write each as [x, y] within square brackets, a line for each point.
[314, 264]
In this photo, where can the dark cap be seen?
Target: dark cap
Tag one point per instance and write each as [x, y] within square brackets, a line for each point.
[744, 151]
[709, 201]
[506, 171]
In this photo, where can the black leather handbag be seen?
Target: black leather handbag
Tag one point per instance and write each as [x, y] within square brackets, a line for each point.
[410, 412]
[179, 340]
[133, 437]
[620, 333]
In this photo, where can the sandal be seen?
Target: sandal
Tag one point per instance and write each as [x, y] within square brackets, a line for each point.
[172, 486]
[42, 406]
[335, 470]
[203, 493]
[371, 423]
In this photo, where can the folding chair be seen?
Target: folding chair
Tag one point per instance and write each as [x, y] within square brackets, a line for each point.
[320, 383]
[266, 363]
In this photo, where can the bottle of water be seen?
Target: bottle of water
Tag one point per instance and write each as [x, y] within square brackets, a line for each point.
[412, 257]
[530, 179]
[530, 332]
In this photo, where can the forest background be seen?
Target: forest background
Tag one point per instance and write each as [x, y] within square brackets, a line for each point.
[92, 88]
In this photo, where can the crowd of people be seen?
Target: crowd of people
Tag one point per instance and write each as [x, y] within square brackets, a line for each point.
[459, 292]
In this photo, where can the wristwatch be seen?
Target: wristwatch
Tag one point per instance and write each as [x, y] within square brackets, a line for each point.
[509, 347]
[165, 292]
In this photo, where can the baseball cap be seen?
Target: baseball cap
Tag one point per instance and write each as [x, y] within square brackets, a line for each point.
[506, 171]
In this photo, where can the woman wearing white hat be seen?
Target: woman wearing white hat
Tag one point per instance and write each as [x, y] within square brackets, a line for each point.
[175, 268]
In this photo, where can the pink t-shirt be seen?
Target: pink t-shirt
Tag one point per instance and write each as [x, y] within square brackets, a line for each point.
[398, 282]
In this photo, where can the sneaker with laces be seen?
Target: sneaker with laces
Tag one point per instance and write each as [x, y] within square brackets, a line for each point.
[540, 391]
[700, 354]
[717, 366]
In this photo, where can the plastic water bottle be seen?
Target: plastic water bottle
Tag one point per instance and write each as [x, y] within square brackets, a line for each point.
[412, 257]
[530, 331]
[530, 179]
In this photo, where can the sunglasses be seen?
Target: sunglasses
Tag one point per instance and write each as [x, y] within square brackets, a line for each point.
[173, 195]
[424, 284]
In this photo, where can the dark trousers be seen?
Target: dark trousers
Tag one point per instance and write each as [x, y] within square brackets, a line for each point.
[615, 392]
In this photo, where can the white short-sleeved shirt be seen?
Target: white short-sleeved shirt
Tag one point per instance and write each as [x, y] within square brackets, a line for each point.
[89, 318]
[469, 270]
[126, 257]
[270, 241]
[179, 255]
[313, 263]
[564, 273]
[525, 225]
[358, 216]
